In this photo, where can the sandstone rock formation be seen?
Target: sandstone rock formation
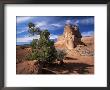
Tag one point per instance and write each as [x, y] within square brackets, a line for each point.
[70, 38]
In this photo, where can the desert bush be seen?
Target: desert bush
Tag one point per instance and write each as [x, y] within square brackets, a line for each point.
[31, 56]
[61, 55]
[34, 43]
[43, 48]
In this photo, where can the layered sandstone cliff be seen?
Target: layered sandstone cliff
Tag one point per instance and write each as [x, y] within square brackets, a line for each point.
[70, 38]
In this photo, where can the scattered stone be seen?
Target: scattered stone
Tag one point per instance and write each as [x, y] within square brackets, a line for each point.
[84, 51]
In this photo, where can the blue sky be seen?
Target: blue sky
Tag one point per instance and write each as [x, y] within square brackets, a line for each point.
[54, 24]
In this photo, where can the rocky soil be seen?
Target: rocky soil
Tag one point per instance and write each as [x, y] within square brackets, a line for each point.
[80, 60]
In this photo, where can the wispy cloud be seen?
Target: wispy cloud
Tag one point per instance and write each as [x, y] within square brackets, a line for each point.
[45, 25]
[89, 33]
[27, 38]
[68, 21]
[22, 29]
[76, 22]
[52, 36]
[56, 25]
[87, 21]
[23, 19]
[40, 24]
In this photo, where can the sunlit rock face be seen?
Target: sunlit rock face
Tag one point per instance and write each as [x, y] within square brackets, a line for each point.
[66, 40]
[68, 37]
[71, 37]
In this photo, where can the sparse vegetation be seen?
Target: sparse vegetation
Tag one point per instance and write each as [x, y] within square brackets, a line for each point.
[44, 56]
[60, 56]
[43, 48]
[34, 43]
[31, 56]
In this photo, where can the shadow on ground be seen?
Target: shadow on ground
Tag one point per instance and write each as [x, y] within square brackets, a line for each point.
[71, 58]
[68, 68]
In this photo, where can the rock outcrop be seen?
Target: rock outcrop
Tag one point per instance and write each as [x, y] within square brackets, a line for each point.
[70, 38]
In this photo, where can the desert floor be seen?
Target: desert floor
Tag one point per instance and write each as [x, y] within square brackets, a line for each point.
[74, 62]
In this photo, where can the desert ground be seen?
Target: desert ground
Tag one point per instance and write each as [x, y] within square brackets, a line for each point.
[78, 61]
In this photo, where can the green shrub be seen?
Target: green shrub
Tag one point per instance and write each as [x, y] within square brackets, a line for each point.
[31, 56]
[43, 48]
[34, 43]
[60, 54]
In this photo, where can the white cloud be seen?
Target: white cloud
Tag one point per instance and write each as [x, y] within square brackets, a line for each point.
[68, 21]
[45, 25]
[23, 29]
[52, 36]
[23, 19]
[40, 24]
[87, 21]
[56, 25]
[76, 22]
[89, 33]
[27, 38]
